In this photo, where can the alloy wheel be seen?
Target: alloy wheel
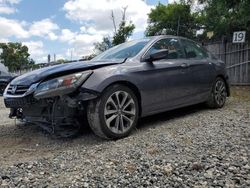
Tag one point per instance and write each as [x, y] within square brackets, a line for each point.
[220, 92]
[119, 112]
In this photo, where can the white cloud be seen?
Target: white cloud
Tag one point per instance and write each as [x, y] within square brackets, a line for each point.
[52, 36]
[3, 40]
[44, 28]
[82, 43]
[6, 6]
[6, 9]
[67, 35]
[11, 27]
[35, 47]
[36, 50]
[95, 18]
[173, 1]
[10, 1]
[97, 14]
[14, 28]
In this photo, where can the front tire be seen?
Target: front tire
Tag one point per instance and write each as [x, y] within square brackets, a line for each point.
[218, 94]
[115, 113]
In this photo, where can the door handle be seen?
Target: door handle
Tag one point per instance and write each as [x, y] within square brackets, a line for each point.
[184, 65]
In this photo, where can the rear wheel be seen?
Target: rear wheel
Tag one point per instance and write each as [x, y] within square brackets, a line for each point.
[2, 87]
[218, 94]
[115, 113]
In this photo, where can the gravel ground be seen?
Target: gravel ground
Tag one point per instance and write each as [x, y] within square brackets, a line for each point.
[190, 147]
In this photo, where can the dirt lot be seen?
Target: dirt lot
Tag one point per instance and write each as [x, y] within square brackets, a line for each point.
[193, 146]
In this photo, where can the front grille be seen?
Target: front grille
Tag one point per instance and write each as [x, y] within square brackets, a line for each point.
[19, 102]
[17, 89]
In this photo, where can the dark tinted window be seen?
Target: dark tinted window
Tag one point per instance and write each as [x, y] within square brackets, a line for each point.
[172, 45]
[194, 50]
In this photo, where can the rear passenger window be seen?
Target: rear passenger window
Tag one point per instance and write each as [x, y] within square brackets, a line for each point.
[194, 50]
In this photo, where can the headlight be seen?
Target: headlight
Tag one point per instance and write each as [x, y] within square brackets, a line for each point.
[61, 85]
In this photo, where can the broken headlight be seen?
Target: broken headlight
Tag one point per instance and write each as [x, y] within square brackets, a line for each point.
[61, 85]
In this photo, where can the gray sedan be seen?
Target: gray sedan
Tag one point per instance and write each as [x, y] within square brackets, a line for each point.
[110, 92]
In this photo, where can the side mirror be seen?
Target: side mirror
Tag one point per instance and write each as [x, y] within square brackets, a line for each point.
[159, 54]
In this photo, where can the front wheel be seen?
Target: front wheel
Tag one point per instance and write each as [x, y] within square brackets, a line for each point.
[218, 94]
[115, 113]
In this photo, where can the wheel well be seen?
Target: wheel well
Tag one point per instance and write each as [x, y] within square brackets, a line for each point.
[133, 88]
[227, 86]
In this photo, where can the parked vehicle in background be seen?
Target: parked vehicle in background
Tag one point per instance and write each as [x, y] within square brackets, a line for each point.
[5, 78]
[129, 81]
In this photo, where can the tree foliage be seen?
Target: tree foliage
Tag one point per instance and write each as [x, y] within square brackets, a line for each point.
[174, 19]
[223, 17]
[16, 56]
[61, 61]
[123, 33]
[103, 45]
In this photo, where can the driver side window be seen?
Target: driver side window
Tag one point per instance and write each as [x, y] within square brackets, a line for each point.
[171, 44]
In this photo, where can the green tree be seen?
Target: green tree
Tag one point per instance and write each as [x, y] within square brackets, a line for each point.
[15, 56]
[121, 35]
[104, 45]
[172, 19]
[61, 61]
[223, 17]
[124, 31]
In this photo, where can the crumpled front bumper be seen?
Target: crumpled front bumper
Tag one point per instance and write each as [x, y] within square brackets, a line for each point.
[51, 113]
[19, 102]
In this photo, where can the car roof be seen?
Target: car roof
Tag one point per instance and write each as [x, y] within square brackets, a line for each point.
[166, 36]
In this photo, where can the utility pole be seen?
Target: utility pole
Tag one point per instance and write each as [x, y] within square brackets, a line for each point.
[124, 13]
[48, 58]
[178, 27]
[113, 19]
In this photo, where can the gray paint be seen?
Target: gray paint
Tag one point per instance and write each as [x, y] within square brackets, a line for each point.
[163, 84]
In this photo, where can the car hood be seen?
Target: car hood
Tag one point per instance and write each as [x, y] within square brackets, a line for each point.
[59, 70]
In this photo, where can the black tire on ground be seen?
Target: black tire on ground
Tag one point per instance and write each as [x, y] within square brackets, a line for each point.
[3, 85]
[218, 94]
[114, 114]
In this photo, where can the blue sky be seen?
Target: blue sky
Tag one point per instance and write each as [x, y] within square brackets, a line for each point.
[65, 27]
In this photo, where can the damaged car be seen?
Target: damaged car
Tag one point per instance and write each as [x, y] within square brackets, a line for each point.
[112, 91]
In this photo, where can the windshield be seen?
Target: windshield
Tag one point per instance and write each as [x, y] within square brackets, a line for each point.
[122, 51]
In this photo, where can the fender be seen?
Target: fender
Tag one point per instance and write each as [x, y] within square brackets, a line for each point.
[98, 81]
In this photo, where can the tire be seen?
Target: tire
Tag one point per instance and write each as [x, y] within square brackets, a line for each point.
[3, 85]
[218, 94]
[109, 120]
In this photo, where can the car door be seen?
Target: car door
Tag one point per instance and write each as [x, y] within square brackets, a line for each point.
[168, 80]
[201, 69]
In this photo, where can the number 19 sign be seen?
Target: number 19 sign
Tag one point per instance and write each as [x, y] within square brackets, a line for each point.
[239, 37]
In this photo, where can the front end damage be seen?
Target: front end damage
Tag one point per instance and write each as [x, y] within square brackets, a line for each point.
[63, 115]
